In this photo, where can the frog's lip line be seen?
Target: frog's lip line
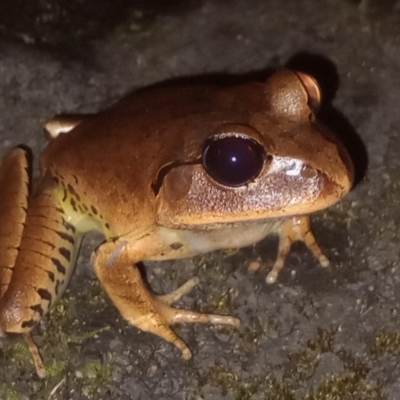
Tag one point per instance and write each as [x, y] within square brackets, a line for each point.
[207, 220]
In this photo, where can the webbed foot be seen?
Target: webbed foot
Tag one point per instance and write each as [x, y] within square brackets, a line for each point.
[150, 312]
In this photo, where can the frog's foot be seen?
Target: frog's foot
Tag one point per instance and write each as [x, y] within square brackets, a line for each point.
[37, 359]
[149, 312]
[291, 230]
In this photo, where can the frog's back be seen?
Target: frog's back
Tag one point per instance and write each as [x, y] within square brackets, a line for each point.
[112, 159]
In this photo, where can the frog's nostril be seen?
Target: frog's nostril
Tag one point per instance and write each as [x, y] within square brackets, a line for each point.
[233, 161]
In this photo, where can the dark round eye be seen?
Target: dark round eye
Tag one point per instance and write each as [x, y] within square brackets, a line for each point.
[233, 161]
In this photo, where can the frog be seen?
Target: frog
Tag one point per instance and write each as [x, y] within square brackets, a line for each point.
[165, 173]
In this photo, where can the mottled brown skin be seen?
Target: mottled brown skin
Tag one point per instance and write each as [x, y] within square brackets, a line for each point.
[134, 173]
[131, 142]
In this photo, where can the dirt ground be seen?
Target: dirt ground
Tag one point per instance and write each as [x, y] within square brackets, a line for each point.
[316, 333]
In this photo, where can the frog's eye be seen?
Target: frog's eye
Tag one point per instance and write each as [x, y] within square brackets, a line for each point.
[232, 160]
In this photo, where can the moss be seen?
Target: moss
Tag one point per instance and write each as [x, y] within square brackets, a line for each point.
[20, 352]
[251, 334]
[94, 375]
[59, 319]
[350, 387]
[386, 342]
[15, 355]
[53, 344]
[96, 370]
[55, 368]
[303, 364]
[60, 331]
[82, 337]
[323, 341]
[278, 390]
[228, 381]
[353, 384]
[230, 252]
[243, 389]
[223, 302]
[356, 365]
[8, 392]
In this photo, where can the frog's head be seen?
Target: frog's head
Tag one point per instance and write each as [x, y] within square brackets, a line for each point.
[281, 163]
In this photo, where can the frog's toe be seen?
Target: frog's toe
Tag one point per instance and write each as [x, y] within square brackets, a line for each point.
[291, 230]
[167, 315]
[155, 323]
[37, 359]
[176, 294]
[177, 315]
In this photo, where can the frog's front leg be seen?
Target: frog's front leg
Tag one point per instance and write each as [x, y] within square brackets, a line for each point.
[292, 230]
[115, 267]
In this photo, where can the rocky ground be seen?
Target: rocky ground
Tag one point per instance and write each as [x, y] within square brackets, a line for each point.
[316, 333]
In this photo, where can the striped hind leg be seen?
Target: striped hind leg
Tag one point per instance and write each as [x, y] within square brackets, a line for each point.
[44, 261]
[14, 192]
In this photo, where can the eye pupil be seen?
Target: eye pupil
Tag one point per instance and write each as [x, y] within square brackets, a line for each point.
[233, 161]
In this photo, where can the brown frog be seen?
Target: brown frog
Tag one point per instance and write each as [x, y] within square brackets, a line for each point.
[165, 174]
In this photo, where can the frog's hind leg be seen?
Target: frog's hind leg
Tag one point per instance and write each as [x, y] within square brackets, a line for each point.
[149, 312]
[42, 259]
[14, 192]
